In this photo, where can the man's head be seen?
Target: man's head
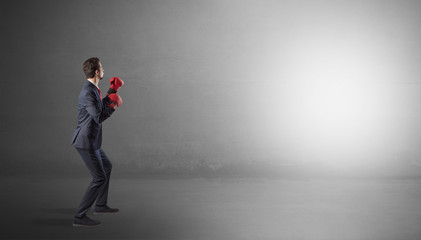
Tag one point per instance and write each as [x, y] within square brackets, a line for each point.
[93, 68]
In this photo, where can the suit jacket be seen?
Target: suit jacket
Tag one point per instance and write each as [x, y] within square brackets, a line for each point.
[92, 111]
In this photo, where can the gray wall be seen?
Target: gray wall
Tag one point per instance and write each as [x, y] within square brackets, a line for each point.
[211, 85]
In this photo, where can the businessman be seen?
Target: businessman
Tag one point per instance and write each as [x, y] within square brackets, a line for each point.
[87, 139]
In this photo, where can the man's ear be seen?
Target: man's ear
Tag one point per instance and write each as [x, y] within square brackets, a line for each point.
[96, 72]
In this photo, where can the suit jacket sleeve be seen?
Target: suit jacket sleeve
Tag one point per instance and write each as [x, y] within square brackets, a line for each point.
[98, 111]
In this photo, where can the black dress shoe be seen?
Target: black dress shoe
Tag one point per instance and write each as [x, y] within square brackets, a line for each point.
[104, 209]
[85, 221]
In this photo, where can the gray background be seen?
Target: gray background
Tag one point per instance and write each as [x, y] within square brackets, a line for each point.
[208, 84]
[241, 119]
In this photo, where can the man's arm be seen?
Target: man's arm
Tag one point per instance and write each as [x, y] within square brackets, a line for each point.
[92, 106]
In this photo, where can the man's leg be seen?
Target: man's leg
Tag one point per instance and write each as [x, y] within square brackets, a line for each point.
[103, 193]
[101, 201]
[93, 161]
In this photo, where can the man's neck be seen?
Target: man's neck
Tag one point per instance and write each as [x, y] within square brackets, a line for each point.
[94, 81]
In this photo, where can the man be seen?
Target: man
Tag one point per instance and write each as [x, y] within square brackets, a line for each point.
[87, 139]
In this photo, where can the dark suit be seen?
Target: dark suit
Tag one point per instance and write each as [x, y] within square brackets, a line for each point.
[87, 138]
[92, 111]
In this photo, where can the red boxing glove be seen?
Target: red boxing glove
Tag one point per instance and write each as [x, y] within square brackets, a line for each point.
[115, 99]
[115, 84]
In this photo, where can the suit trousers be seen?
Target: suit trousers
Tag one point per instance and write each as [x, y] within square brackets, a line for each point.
[100, 167]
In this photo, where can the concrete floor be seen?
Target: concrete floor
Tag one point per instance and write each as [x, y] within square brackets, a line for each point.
[37, 208]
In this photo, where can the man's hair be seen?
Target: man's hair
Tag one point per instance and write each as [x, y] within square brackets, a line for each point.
[90, 66]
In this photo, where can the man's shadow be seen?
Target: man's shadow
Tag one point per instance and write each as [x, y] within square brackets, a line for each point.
[61, 211]
[55, 217]
[53, 222]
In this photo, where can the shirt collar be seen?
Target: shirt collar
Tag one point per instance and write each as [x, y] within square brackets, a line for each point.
[96, 85]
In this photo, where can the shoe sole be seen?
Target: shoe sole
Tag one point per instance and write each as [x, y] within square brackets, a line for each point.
[84, 225]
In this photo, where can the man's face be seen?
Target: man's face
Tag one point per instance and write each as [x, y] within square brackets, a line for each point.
[101, 71]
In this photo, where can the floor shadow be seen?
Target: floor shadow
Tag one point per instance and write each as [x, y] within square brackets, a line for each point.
[63, 211]
[52, 222]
